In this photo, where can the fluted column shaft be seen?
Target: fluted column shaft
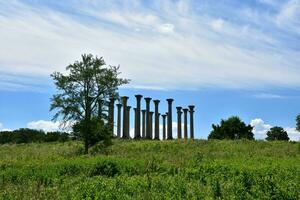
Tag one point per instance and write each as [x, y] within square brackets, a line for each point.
[135, 123]
[138, 116]
[192, 121]
[151, 124]
[143, 123]
[128, 121]
[148, 134]
[179, 113]
[164, 126]
[156, 129]
[185, 110]
[170, 134]
[125, 133]
[119, 107]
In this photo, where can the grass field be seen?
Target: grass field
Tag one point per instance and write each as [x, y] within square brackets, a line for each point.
[152, 170]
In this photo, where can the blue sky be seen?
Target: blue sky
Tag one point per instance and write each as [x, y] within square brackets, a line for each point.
[227, 57]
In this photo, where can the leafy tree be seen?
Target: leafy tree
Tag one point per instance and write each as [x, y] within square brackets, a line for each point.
[277, 133]
[232, 128]
[298, 123]
[83, 96]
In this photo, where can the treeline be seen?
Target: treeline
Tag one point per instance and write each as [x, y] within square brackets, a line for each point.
[234, 128]
[26, 135]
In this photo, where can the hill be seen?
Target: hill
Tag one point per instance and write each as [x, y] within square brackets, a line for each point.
[197, 169]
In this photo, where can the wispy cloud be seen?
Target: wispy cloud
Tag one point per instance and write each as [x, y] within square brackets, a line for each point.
[268, 96]
[164, 44]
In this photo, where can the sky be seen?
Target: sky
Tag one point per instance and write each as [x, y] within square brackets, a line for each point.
[226, 57]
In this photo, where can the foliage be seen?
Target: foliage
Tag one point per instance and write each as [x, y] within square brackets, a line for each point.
[277, 133]
[232, 128]
[298, 123]
[99, 131]
[200, 169]
[84, 93]
[26, 135]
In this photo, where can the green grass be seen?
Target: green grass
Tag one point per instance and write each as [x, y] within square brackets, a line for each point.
[152, 170]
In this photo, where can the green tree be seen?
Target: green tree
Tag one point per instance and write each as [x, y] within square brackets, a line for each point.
[298, 123]
[83, 96]
[231, 128]
[277, 133]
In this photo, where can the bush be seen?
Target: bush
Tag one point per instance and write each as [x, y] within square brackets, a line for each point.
[107, 168]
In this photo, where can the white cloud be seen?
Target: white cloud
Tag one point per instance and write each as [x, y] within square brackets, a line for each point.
[217, 24]
[47, 126]
[166, 28]
[39, 40]
[261, 128]
[293, 134]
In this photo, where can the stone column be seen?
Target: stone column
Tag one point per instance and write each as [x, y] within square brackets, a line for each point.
[138, 116]
[156, 129]
[170, 134]
[135, 123]
[148, 134]
[192, 121]
[185, 110]
[111, 115]
[151, 123]
[179, 113]
[125, 134]
[128, 121]
[119, 106]
[143, 123]
[164, 116]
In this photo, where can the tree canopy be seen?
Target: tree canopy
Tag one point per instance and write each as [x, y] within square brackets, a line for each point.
[277, 133]
[83, 95]
[231, 128]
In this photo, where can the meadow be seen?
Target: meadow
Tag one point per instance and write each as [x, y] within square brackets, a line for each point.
[197, 169]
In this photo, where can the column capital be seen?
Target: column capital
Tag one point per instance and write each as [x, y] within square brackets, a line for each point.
[191, 107]
[124, 98]
[179, 108]
[143, 111]
[185, 110]
[138, 96]
[164, 115]
[119, 105]
[147, 99]
[170, 100]
[156, 101]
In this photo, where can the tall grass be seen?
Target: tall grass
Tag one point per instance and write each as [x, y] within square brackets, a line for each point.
[152, 170]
